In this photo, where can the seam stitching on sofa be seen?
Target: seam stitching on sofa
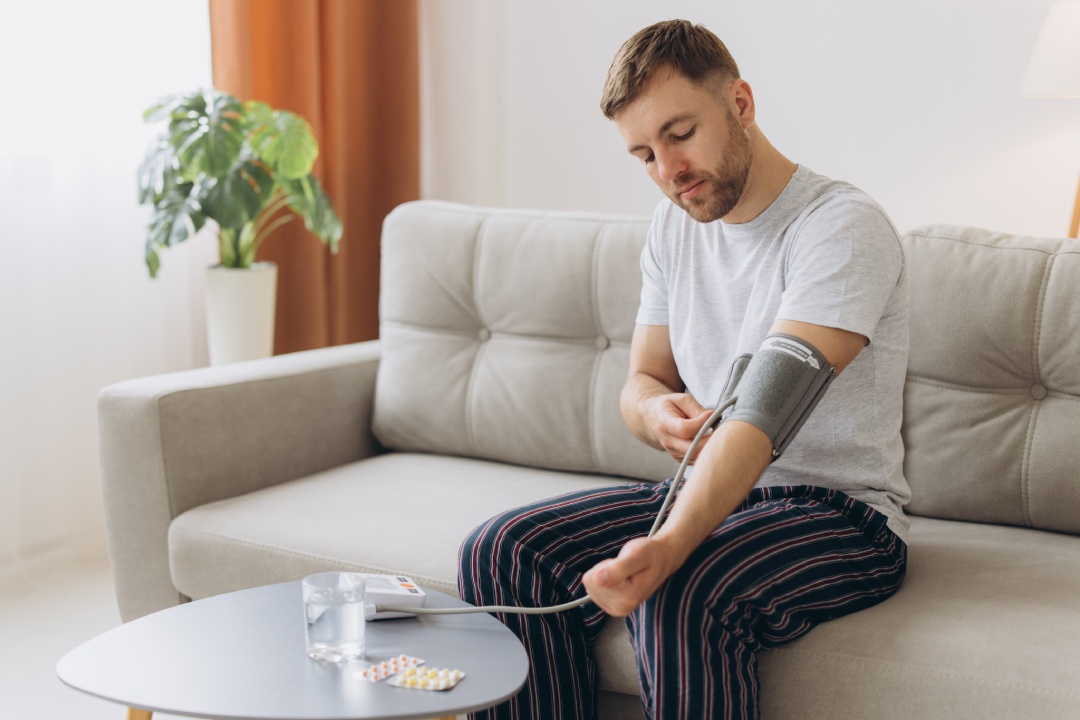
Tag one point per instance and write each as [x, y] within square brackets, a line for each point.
[408, 325]
[470, 393]
[160, 449]
[968, 241]
[306, 556]
[1029, 438]
[470, 389]
[1040, 306]
[169, 502]
[928, 673]
[1025, 466]
[595, 273]
[261, 381]
[1021, 392]
[966, 388]
[594, 403]
[477, 238]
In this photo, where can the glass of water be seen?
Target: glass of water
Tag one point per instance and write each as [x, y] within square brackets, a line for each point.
[334, 609]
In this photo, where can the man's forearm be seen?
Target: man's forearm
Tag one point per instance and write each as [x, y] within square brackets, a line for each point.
[726, 470]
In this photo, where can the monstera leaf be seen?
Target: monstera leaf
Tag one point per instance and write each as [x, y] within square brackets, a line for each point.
[206, 131]
[176, 217]
[157, 173]
[239, 196]
[309, 200]
[284, 141]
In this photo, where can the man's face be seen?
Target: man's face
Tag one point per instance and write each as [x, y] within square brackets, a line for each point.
[691, 144]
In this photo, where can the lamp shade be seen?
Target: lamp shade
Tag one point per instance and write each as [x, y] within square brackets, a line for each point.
[1054, 68]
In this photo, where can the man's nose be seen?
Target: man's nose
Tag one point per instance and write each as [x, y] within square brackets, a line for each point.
[669, 165]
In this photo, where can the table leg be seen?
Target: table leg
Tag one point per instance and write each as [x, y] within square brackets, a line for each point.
[134, 714]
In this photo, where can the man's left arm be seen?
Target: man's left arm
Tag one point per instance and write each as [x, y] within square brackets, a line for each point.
[727, 469]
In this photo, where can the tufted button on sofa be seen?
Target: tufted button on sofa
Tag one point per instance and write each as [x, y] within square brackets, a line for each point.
[504, 345]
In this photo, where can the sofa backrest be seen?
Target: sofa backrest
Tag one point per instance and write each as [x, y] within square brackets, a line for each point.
[502, 329]
[992, 401]
[505, 335]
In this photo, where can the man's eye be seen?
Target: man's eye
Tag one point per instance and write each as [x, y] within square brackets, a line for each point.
[687, 136]
[649, 159]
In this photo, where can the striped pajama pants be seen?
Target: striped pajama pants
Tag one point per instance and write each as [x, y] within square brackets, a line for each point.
[787, 559]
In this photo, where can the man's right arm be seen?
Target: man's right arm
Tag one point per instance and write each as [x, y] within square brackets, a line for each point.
[652, 402]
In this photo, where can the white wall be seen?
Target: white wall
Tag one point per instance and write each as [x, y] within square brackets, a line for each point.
[77, 308]
[915, 101]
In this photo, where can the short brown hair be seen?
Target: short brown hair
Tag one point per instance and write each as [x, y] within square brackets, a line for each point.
[692, 50]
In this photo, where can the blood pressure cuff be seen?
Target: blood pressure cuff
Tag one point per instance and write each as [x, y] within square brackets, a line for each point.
[777, 388]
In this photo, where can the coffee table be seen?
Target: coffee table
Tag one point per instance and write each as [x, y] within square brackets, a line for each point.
[242, 655]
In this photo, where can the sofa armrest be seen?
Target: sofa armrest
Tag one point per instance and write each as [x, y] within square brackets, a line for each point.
[173, 442]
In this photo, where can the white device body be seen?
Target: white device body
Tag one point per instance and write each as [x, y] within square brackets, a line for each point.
[390, 590]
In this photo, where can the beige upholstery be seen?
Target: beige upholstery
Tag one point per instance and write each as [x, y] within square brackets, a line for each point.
[494, 388]
[992, 406]
[506, 335]
[177, 441]
[972, 590]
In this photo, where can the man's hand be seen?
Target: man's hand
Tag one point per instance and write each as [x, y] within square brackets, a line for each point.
[619, 585]
[651, 404]
[674, 420]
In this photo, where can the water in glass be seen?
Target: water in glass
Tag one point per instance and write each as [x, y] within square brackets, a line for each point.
[334, 609]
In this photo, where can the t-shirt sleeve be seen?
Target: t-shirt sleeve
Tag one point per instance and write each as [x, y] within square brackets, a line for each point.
[653, 309]
[843, 267]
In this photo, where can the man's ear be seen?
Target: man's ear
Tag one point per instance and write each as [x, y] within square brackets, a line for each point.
[742, 99]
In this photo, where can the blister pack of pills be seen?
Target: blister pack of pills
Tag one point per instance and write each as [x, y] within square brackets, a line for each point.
[388, 668]
[424, 678]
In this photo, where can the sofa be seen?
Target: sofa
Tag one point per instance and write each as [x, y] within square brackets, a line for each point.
[504, 343]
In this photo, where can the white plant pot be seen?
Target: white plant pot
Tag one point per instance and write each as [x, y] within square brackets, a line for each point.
[240, 312]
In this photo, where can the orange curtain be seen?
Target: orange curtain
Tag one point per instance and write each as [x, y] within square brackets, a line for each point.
[351, 69]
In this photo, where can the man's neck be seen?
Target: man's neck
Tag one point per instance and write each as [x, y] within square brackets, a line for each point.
[770, 173]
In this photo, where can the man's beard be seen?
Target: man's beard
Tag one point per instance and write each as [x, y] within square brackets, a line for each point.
[724, 187]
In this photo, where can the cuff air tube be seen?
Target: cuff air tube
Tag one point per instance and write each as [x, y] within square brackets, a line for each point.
[778, 387]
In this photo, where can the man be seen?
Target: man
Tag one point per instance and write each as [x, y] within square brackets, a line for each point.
[747, 245]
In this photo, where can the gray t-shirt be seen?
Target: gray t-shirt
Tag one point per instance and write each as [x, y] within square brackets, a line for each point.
[825, 253]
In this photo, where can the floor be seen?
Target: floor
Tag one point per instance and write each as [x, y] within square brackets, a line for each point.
[43, 616]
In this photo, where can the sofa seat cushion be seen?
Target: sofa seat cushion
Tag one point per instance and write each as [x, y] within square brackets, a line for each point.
[966, 636]
[399, 513]
[970, 634]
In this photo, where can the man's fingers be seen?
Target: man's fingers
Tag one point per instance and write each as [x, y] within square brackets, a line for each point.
[689, 406]
[679, 437]
[685, 428]
[614, 571]
[632, 558]
[680, 419]
[600, 574]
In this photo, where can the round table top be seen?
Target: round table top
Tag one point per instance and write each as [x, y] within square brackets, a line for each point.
[242, 655]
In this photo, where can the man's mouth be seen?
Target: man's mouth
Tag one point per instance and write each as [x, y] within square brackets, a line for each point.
[691, 190]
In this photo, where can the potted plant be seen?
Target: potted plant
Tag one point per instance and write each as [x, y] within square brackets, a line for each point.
[246, 167]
